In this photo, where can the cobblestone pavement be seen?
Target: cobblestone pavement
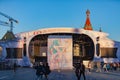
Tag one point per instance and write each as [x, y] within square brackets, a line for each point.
[29, 74]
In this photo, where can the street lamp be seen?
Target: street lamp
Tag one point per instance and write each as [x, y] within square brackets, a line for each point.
[97, 46]
[24, 47]
[97, 39]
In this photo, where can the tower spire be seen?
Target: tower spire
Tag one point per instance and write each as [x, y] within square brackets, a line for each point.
[88, 25]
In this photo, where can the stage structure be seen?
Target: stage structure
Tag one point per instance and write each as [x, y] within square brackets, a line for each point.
[61, 47]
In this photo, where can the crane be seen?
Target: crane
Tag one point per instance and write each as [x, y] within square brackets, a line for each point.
[11, 20]
[4, 23]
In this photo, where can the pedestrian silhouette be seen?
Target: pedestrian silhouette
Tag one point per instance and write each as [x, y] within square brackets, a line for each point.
[80, 70]
[39, 70]
[47, 70]
[14, 67]
[77, 71]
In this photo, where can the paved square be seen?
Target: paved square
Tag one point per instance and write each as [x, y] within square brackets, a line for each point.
[29, 74]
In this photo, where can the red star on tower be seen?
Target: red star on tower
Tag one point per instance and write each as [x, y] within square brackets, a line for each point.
[88, 25]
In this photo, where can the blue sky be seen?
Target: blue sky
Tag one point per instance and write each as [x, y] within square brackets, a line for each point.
[37, 14]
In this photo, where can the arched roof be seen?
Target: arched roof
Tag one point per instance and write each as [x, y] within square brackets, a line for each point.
[59, 30]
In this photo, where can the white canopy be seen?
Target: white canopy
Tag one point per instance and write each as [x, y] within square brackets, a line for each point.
[110, 60]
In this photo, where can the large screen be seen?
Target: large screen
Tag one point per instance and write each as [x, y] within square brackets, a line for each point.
[14, 52]
[108, 52]
[60, 52]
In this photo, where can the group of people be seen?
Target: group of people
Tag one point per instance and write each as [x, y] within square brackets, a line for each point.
[42, 69]
[107, 67]
[101, 66]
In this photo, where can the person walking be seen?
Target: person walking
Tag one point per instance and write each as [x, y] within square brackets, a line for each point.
[14, 67]
[89, 66]
[39, 70]
[80, 70]
[47, 70]
[77, 71]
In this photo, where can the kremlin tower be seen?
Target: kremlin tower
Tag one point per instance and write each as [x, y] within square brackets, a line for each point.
[88, 25]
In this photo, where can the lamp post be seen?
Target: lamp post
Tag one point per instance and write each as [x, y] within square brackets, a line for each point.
[97, 39]
[97, 46]
[24, 47]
